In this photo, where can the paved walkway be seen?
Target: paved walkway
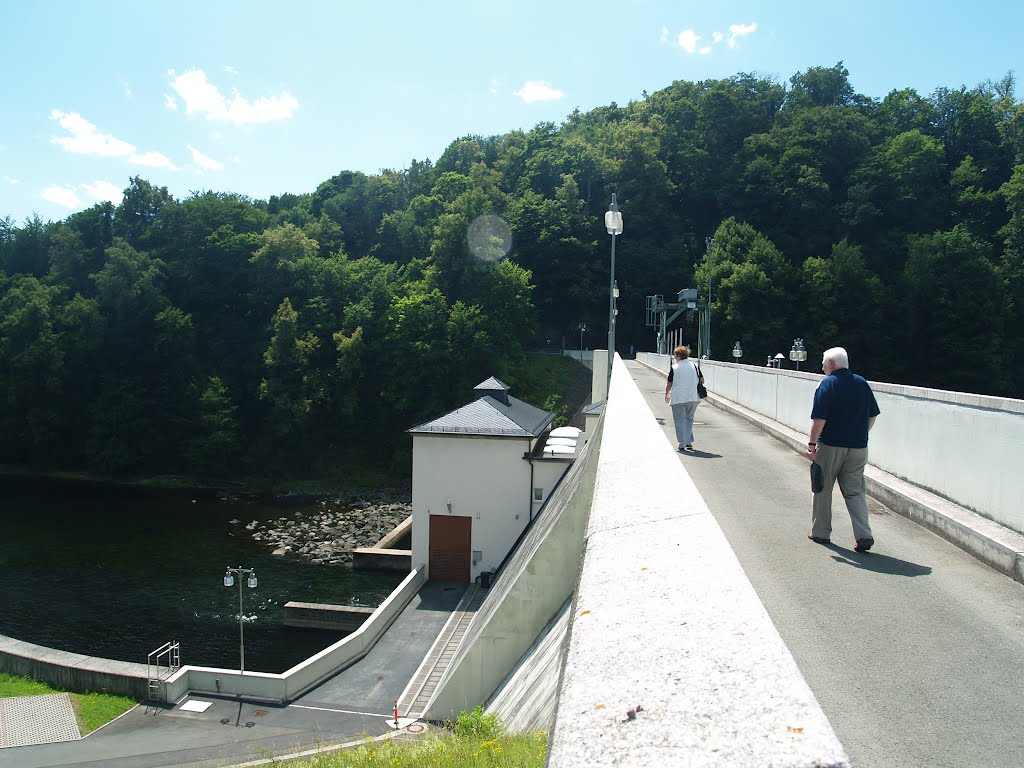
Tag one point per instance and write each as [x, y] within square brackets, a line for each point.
[26, 720]
[915, 650]
[355, 703]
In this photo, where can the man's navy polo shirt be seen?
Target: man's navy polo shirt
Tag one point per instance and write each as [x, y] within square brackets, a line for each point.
[845, 401]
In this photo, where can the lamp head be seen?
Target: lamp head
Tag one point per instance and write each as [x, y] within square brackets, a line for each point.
[613, 218]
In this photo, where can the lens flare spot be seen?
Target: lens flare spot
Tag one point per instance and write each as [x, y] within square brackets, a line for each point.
[489, 237]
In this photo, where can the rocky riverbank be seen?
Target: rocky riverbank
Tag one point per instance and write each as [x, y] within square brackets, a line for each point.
[338, 525]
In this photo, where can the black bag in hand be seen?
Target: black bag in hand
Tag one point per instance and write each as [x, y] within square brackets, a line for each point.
[817, 478]
[702, 391]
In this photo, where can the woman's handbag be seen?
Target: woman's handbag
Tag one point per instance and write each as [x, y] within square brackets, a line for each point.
[702, 391]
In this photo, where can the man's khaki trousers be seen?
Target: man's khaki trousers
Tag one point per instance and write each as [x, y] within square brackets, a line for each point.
[845, 465]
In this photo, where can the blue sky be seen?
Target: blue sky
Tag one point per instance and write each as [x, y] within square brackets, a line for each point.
[262, 98]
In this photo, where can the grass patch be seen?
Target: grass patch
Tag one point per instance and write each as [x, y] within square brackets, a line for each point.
[478, 741]
[518, 751]
[92, 710]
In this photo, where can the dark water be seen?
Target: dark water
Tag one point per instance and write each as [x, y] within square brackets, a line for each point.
[117, 572]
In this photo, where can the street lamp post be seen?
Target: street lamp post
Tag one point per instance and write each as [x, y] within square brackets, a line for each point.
[798, 353]
[583, 327]
[737, 352]
[229, 581]
[612, 223]
[710, 243]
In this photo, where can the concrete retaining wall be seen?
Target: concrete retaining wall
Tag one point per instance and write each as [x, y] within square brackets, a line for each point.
[341, 618]
[378, 559]
[960, 446]
[284, 687]
[401, 531]
[85, 673]
[72, 671]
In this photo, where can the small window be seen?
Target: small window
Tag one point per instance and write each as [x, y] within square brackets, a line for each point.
[538, 494]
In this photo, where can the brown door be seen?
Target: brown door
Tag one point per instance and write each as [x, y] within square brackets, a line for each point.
[450, 539]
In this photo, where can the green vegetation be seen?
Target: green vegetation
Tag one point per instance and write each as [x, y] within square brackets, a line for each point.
[92, 710]
[295, 337]
[478, 741]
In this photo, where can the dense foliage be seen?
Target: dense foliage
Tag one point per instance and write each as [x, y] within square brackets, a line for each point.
[218, 332]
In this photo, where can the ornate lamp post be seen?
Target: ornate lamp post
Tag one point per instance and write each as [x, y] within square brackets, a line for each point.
[229, 581]
[612, 223]
[798, 353]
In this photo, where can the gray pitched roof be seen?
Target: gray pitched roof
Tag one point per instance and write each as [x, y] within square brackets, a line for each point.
[492, 385]
[490, 415]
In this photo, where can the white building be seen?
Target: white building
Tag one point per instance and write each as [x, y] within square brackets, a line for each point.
[479, 476]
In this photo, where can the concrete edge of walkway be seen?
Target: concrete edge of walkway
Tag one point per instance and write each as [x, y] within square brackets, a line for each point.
[995, 545]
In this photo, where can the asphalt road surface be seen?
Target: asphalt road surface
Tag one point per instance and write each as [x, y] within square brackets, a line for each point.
[915, 650]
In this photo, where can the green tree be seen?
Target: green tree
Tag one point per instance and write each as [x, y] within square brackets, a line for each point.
[285, 387]
[954, 303]
[31, 380]
[218, 439]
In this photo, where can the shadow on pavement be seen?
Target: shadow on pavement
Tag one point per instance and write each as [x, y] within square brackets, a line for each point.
[702, 454]
[879, 563]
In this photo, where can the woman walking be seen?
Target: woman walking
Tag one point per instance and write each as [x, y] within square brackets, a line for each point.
[681, 394]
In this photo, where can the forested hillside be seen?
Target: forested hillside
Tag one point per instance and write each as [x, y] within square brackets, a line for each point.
[216, 333]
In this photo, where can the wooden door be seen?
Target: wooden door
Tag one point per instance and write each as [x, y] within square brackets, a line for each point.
[450, 539]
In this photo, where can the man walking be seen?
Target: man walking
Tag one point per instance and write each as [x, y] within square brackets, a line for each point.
[843, 413]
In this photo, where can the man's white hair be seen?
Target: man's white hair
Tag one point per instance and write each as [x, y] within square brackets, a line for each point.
[838, 357]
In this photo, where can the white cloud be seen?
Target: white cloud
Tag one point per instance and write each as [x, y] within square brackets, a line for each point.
[663, 37]
[64, 196]
[84, 139]
[538, 90]
[202, 97]
[688, 40]
[11, 180]
[231, 70]
[495, 86]
[170, 102]
[737, 31]
[127, 90]
[104, 190]
[154, 160]
[204, 162]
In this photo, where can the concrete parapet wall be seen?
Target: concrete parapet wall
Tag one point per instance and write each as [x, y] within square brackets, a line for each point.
[379, 559]
[960, 446]
[341, 618]
[665, 618]
[400, 531]
[290, 684]
[88, 673]
[72, 671]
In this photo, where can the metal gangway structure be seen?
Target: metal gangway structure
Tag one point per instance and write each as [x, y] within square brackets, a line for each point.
[657, 316]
